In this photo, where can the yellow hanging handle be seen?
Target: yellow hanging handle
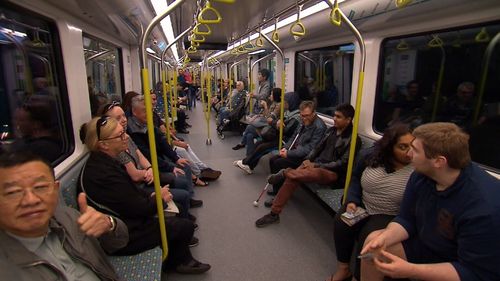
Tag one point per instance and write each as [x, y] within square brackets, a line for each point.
[402, 45]
[225, 1]
[335, 17]
[435, 42]
[275, 37]
[208, 9]
[197, 31]
[403, 3]
[165, 104]
[195, 44]
[482, 36]
[191, 50]
[259, 42]
[198, 39]
[301, 31]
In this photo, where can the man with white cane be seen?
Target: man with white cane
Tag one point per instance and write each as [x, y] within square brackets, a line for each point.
[306, 137]
[326, 164]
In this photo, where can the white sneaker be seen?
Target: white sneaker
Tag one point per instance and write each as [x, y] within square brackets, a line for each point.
[235, 162]
[244, 167]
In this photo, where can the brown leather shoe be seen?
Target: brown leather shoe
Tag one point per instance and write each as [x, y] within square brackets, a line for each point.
[209, 174]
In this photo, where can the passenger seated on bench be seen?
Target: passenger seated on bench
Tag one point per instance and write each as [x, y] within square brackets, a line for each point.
[377, 185]
[168, 160]
[198, 168]
[325, 165]
[449, 221]
[138, 167]
[235, 101]
[266, 144]
[111, 190]
[46, 240]
[305, 138]
[269, 115]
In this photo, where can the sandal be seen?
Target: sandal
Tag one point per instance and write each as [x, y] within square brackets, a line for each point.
[198, 182]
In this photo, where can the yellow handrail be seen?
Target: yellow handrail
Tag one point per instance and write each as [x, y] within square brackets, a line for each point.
[225, 1]
[165, 104]
[209, 8]
[302, 29]
[403, 3]
[435, 42]
[191, 50]
[199, 39]
[482, 36]
[335, 17]
[197, 31]
[275, 36]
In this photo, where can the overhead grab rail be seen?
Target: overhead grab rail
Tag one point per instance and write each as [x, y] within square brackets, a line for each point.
[277, 15]
[283, 75]
[298, 28]
[209, 9]
[484, 75]
[359, 95]
[149, 116]
[164, 83]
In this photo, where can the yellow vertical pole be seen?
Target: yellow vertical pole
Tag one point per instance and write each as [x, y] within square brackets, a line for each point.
[175, 99]
[154, 159]
[282, 107]
[165, 104]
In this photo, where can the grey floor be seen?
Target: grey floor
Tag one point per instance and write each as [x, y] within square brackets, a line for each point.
[300, 248]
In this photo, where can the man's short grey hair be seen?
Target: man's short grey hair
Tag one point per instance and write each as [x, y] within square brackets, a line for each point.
[137, 101]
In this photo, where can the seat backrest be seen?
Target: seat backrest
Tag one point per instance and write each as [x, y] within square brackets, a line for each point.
[68, 184]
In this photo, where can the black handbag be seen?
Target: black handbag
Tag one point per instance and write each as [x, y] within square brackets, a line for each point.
[269, 133]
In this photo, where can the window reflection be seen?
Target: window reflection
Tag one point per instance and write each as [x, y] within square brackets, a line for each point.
[439, 77]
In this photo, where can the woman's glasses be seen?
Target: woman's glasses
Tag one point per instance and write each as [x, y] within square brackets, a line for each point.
[109, 106]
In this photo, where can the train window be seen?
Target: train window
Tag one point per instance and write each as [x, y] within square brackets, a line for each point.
[34, 111]
[103, 65]
[325, 75]
[444, 76]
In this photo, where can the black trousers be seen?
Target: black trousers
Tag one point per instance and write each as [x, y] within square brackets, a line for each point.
[261, 149]
[345, 236]
[276, 163]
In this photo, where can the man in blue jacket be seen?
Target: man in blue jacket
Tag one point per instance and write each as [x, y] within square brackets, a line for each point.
[449, 222]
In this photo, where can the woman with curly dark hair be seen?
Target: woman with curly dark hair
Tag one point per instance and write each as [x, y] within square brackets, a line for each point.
[377, 185]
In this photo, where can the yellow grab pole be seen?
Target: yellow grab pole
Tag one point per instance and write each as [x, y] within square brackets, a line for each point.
[165, 104]
[174, 96]
[250, 85]
[154, 159]
[282, 107]
[207, 113]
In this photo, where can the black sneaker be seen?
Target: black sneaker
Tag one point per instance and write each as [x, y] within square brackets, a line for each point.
[195, 226]
[193, 203]
[267, 220]
[269, 203]
[194, 242]
[277, 178]
[238, 146]
[192, 267]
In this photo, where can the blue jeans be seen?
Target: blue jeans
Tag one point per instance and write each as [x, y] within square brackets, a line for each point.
[249, 135]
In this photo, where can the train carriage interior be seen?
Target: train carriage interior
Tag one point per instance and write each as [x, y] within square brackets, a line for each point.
[410, 61]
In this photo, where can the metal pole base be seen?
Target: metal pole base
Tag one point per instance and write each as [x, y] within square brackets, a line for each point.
[209, 142]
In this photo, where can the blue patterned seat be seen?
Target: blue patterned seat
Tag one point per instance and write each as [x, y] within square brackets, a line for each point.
[140, 267]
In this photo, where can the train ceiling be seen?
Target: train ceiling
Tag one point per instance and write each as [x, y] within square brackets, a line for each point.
[122, 17]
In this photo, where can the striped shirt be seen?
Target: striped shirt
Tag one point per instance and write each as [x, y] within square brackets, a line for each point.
[383, 192]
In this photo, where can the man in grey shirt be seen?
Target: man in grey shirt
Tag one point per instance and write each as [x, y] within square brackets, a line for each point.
[47, 241]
